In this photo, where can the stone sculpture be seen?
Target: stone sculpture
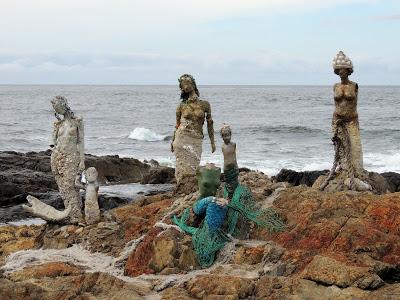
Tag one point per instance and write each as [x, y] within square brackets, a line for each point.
[231, 170]
[188, 137]
[92, 211]
[67, 164]
[347, 171]
[221, 216]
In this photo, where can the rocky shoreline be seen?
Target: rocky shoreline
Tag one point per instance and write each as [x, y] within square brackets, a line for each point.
[342, 245]
[30, 173]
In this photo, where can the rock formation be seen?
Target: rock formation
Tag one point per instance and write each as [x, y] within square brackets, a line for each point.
[337, 245]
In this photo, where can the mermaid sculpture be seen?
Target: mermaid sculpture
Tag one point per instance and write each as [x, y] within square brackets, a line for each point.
[347, 172]
[188, 137]
[222, 216]
[67, 164]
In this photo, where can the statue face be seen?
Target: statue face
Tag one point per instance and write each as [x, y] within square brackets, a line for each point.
[186, 86]
[58, 107]
[226, 136]
[343, 73]
[91, 174]
[208, 181]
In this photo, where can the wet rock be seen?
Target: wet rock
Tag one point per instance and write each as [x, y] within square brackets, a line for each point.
[298, 178]
[114, 169]
[393, 180]
[29, 173]
[159, 175]
[52, 198]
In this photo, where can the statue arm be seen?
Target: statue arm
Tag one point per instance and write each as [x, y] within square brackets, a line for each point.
[178, 122]
[210, 127]
[54, 135]
[178, 116]
[81, 145]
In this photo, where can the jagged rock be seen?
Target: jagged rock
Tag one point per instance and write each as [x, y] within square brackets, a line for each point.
[298, 178]
[249, 255]
[51, 269]
[52, 198]
[16, 238]
[328, 271]
[393, 179]
[358, 228]
[23, 173]
[276, 288]
[159, 175]
[358, 233]
[83, 286]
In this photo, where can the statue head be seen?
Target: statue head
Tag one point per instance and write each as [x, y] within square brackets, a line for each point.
[91, 174]
[187, 84]
[342, 65]
[208, 179]
[61, 107]
[226, 133]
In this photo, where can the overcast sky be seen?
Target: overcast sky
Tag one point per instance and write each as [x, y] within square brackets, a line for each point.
[218, 41]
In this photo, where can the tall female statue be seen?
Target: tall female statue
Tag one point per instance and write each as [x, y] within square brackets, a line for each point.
[348, 162]
[67, 164]
[188, 137]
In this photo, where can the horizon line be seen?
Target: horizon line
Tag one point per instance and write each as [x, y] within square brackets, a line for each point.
[166, 84]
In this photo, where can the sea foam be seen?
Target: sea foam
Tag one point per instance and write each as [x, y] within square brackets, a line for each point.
[144, 134]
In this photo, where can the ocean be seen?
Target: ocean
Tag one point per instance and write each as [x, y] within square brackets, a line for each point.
[274, 127]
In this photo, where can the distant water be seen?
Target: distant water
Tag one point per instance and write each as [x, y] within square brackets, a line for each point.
[274, 126]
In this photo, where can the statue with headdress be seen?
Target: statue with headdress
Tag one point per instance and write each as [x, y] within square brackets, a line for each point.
[347, 172]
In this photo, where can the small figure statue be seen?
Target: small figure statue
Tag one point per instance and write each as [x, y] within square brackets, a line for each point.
[92, 211]
[221, 215]
[67, 164]
[231, 170]
[347, 171]
[188, 136]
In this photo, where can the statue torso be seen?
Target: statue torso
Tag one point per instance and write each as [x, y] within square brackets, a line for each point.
[192, 116]
[345, 96]
[67, 136]
[229, 151]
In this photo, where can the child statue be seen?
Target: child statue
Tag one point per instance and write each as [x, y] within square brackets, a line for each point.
[221, 216]
[231, 170]
[92, 211]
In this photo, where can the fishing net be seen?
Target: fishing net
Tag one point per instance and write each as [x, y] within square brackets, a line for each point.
[209, 238]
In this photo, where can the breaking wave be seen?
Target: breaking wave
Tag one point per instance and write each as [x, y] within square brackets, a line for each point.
[144, 134]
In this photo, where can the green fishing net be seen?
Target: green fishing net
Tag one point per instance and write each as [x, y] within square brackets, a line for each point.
[241, 208]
